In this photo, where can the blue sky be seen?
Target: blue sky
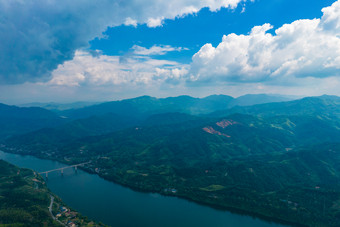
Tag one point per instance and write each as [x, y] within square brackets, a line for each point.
[193, 31]
[107, 50]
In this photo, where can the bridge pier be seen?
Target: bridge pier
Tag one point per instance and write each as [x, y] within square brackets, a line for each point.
[62, 169]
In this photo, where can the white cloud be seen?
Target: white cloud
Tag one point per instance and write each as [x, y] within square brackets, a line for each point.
[38, 35]
[156, 50]
[331, 19]
[130, 22]
[155, 22]
[86, 70]
[304, 48]
[304, 54]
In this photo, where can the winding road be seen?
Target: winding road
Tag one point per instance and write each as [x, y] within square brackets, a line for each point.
[50, 209]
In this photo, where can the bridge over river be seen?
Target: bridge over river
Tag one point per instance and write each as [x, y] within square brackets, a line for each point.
[62, 168]
[115, 205]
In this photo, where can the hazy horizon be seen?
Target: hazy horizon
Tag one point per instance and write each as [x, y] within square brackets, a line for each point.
[292, 97]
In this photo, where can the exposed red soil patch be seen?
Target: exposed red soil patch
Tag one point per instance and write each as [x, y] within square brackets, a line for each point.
[225, 123]
[210, 130]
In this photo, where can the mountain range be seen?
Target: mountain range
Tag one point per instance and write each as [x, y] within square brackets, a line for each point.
[278, 160]
[20, 120]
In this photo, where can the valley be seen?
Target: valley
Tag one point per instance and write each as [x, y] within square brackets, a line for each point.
[25, 200]
[275, 160]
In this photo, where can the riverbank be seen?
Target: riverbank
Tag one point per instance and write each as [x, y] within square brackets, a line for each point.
[206, 198]
[182, 193]
[112, 204]
[203, 201]
[24, 199]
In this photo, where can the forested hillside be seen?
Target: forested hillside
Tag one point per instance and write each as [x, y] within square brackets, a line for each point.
[25, 201]
[275, 160]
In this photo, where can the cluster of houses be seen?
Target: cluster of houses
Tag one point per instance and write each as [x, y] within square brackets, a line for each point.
[68, 215]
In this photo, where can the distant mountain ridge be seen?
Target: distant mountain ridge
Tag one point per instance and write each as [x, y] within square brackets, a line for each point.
[7, 111]
[147, 105]
[325, 106]
[19, 120]
[110, 116]
[59, 106]
[254, 99]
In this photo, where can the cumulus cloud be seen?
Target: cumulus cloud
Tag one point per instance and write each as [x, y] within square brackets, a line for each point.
[130, 22]
[304, 48]
[155, 22]
[38, 35]
[88, 70]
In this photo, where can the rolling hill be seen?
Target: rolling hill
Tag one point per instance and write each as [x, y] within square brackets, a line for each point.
[20, 120]
[277, 160]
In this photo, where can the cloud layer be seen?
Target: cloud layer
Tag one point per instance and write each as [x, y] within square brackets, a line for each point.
[304, 48]
[302, 53]
[137, 68]
[38, 35]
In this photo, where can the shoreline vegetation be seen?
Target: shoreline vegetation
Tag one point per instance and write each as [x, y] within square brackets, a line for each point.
[25, 200]
[163, 193]
[202, 200]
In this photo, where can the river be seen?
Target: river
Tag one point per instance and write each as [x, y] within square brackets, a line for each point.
[116, 205]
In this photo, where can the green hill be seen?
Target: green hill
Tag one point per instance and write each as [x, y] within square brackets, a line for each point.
[25, 200]
[322, 106]
[277, 160]
[20, 120]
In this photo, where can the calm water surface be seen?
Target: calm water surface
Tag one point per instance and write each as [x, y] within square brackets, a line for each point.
[115, 205]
